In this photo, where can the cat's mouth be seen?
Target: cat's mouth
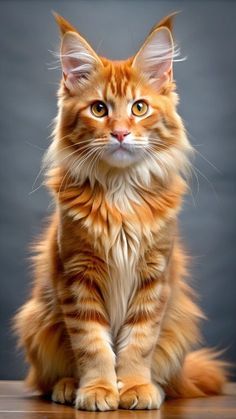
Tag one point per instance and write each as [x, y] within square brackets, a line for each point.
[122, 147]
[121, 155]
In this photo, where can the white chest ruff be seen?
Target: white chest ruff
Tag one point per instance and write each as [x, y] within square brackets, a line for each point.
[123, 278]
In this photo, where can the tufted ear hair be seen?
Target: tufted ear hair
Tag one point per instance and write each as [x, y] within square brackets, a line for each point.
[167, 22]
[63, 24]
[78, 59]
[155, 57]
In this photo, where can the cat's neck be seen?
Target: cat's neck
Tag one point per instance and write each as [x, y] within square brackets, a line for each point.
[125, 190]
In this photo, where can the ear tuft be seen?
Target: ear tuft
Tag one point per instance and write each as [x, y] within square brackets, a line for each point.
[155, 58]
[167, 22]
[63, 24]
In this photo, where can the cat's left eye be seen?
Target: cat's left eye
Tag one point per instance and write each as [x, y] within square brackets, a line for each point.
[99, 109]
[139, 108]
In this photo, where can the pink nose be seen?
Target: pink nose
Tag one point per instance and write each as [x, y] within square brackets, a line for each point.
[120, 134]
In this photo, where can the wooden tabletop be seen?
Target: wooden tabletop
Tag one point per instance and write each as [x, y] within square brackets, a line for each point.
[17, 402]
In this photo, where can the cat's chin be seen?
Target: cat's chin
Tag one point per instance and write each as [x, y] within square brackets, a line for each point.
[121, 158]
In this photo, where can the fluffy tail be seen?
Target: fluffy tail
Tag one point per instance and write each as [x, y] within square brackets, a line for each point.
[202, 375]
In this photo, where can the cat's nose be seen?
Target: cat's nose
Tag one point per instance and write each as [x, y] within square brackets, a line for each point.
[120, 134]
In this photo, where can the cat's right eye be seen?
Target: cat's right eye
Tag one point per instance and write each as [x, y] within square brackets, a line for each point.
[99, 109]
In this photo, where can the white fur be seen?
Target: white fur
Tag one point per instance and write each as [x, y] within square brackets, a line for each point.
[155, 58]
[77, 59]
[123, 154]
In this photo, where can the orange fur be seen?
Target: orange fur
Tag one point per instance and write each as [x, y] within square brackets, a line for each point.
[111, 320]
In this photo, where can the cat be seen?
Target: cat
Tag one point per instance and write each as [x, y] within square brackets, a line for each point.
[111, 321]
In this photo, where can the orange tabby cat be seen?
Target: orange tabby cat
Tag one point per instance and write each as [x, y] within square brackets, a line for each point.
[111, 321]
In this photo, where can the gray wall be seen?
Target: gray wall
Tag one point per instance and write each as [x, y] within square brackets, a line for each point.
[205, 30]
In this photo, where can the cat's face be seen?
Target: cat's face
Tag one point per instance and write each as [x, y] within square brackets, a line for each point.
[120, 113]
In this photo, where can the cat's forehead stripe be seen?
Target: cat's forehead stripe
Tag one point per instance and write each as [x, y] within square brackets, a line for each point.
[118, 80]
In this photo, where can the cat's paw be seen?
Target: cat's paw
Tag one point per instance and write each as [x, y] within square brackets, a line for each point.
[64, 391]
[140, 396]
[100, 396]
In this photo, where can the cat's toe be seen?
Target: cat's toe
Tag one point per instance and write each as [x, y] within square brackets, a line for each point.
[141, 396]
[64, 391]
[97, 397]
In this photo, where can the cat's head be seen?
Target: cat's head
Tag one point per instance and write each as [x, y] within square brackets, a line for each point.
[118, 115]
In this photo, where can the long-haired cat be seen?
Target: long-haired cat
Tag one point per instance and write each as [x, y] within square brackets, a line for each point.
[111, 321]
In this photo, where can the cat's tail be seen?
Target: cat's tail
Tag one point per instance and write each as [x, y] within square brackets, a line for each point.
[202, 374]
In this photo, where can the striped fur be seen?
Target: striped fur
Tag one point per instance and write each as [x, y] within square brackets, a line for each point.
[111, 320]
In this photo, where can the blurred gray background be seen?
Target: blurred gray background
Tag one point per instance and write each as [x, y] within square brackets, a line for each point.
[205, 31]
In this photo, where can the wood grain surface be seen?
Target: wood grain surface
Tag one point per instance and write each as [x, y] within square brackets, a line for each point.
[17, 402]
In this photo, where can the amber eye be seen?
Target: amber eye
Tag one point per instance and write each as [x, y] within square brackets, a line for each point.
[139, 108]
[99, 109]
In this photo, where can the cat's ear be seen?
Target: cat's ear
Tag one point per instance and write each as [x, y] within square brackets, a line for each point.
[63, 24]
[155, 58]
[167, 22]
[78, 59]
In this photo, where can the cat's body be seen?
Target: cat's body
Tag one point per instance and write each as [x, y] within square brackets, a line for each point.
[111, 321]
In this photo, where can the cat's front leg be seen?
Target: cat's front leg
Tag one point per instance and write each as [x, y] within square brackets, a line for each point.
[135, 347]
[88, 327]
